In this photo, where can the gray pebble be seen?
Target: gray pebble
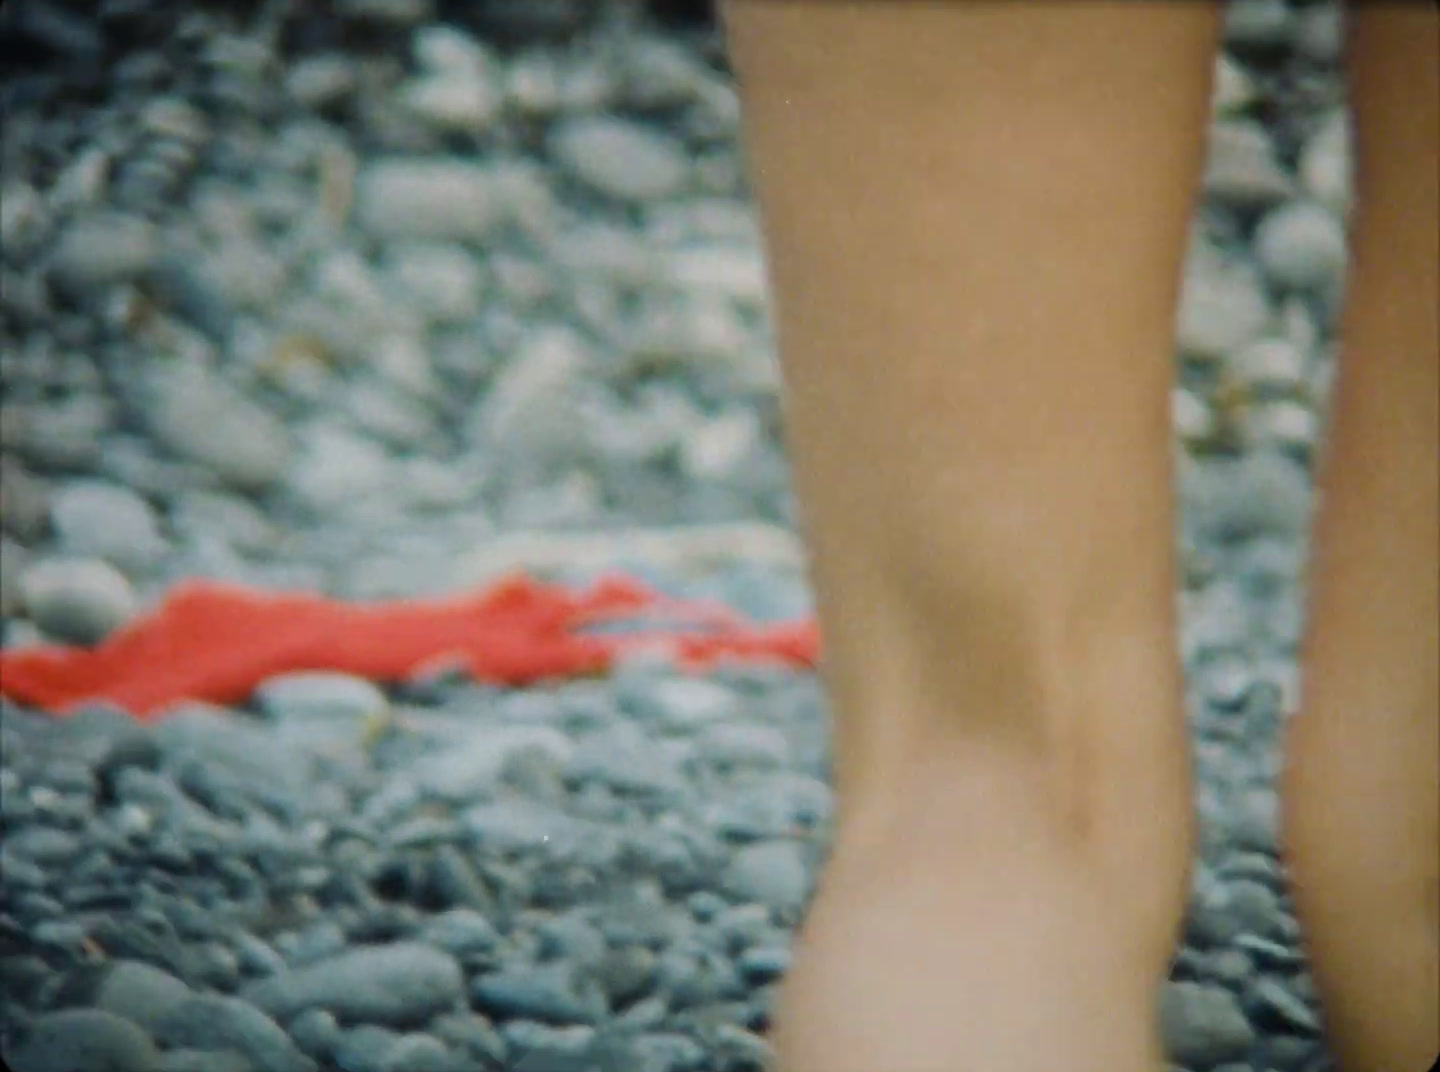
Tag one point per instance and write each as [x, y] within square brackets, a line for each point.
[83, 1040]
[395, 13]
[1255, 907]
[667, 1052]
[746, 744]
[1222, 306]
[765, 964]
[1203, 1025]
[572, 938]
[1258, 24]
[186, 1060]
[549, 1048]
[366, 1048]
[336, 468]
[1302, 246]
[24, 501]
[547, 993]
[397, 984]
[142, 993]
[95, 518]
[1258, 494]
[323, 938]
[620, 158]
[317, 1033]
[1254, 821]
[1271, 365]
[24, 219]
[774, 873]
[737, 1046]
[197, 514]
[472, 764]
[77, 601]
[320, 81]
[257, 956]
[441, 280]
[623, 758]
[626, 974]
[1320, 32]
[1272, 954]
[397, 420]
[102, 249]
[470, 1033]
[454, 881]
[463, 102]
[1230, 967]
[461, 932]
[1278, 1001]
[206, 421]
[1234, 89]
[529, 409]
[67, 434]
[1326, 163]
[692, 975]
[211, 1022]
[319, 694]
[426, 199]
[650, 692]
[44, 845]
[422, 1053]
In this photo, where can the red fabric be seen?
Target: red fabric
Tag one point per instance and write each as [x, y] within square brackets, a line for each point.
[216, 642]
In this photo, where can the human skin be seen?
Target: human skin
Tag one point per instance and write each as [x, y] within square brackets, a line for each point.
[1360, 789]
[975, 215]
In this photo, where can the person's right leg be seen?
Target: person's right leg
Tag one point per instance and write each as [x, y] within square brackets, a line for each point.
[975, 214]
[1361, 784]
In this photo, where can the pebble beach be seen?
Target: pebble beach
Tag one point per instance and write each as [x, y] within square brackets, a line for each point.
[386, 299]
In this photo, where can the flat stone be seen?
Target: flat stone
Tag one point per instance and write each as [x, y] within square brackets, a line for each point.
[545, 993]
[103, 249]
[1302, 246]
[83, 1040]
[426, 199]
[95, 518]
[399, 984]
[1241, 168]
[320, 694]
[199, 416]
[1279, 1002]
[77, 601]
[769, 872]
[619, 158]
[141, 993]
[213, 1022]
[1203, 1025]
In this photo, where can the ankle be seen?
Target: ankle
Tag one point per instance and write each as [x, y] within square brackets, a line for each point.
[926, 956]
[1130, 833]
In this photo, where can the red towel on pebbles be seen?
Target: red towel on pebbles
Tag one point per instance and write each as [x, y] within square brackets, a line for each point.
[216, 642]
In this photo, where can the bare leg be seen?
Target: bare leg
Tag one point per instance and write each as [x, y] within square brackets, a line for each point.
[975, 215]
[1361, 788]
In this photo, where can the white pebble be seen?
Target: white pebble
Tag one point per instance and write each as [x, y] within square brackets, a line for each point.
[1326, 164]
[1285, 423]
[1220, 309]
[1190, 416]
[621, 158]
[77, 601]
[1274, 363]
[452, 102]
[104, 520]
[1301, 246]
[425, 199]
